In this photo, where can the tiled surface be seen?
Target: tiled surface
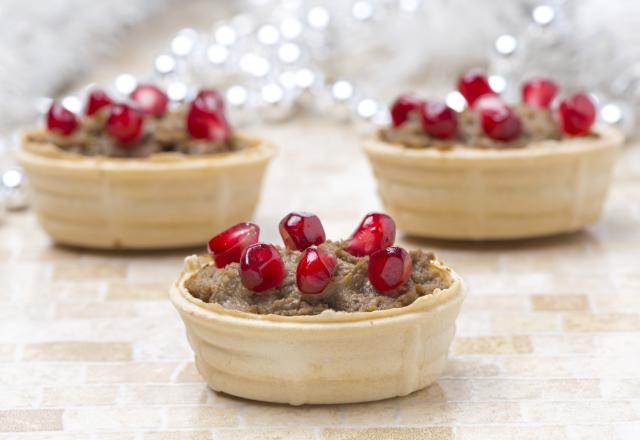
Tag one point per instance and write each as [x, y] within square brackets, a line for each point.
[548, 341]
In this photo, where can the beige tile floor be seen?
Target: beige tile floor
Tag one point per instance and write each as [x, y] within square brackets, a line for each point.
[548, 343]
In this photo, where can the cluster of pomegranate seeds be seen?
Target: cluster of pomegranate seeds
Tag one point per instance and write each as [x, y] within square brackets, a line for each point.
[150, 100]
[228, 246]
[376, 231]
[576, 113]
[389, 268]
[262, 268]
[299, 230]
[437, 118]
[96, 100]
[206, 119]
[314, 271]
[61, 120]
[124, 123]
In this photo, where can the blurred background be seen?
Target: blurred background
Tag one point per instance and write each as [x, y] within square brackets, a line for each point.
[342, 60]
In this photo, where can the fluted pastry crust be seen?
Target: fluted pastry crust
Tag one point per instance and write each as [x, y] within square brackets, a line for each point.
[161, 201]
[333, 357]
[546, 188]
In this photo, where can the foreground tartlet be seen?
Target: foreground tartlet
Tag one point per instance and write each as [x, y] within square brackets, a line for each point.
[494, 171]
[317, 322]
[141, 175]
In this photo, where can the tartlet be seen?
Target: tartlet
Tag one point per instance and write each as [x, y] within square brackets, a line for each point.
[540, 176]
[162, 189]
[326, 357]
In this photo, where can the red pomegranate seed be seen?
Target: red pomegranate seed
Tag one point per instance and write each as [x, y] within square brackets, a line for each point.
[205, 119]
[314, 271]
[299, 230]
[539, 92]
[227, 246]
[389, 268]
[439, 120]
[402, 106]
[124, 123]
[150, 99]
[577, 114]
[61, 120]
[376, 231]
[498, 120]
[474, 84]
[97, 99]
[261, 267]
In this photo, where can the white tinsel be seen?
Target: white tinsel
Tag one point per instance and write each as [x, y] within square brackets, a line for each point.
[45, 44]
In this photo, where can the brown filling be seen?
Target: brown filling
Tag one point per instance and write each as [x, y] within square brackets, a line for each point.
[167, 133]
[349, 290]
[537, 124]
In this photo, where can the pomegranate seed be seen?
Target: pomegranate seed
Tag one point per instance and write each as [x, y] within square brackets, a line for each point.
[576, 114]
[61, 120]
[402, 106]
[497, 119]
[206, 120]
[539, 92]
[314, 271]
[438, 120]
[150, 99]
[376, 231]
[261, 267]
[474, 84]
[97, 99]
[299, 230]
[389, 268]
[227, 246]
[124, 123]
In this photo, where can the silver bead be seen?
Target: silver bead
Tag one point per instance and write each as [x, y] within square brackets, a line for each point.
[13, 189]
[268, 35]
[275, 104]
[254, 65]
[368, 115]
[217, 54]
[225, 35]
[342, 90]
[289, 53]
[164, 64]
[618, 114]
[318, 17]
[456, 101]
[505, 45]
[409, 6]
[341, 95]
[184, 42]
[497, 83]
[72, 103]
[543, 15]
[238, 106]
[290, 28]
[177, 91]
[126, 83]
[362, 10]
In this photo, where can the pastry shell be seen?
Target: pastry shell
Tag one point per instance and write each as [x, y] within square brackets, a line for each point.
[334, 357]
[546, 188]
[161, 201]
